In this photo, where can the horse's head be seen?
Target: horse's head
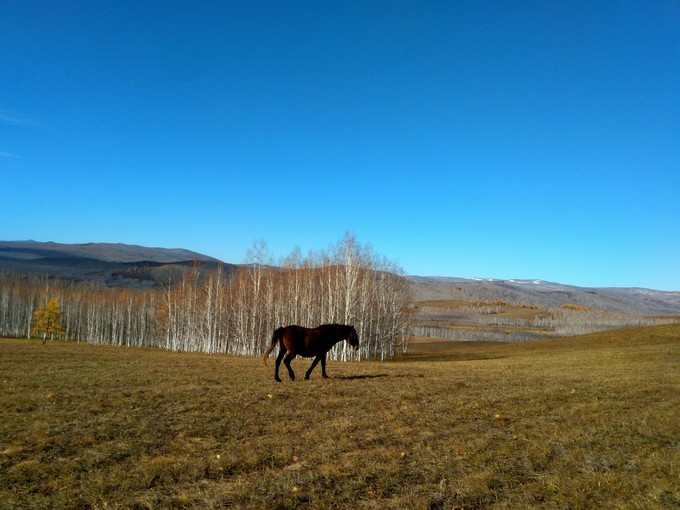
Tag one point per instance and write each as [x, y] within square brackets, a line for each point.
[353, 338]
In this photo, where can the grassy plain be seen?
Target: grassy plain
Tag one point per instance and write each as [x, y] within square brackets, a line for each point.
[584, 422]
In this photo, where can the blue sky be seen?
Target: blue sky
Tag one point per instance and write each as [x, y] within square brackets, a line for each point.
[522, 139]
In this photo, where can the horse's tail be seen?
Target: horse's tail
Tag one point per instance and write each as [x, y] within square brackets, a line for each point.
[276, 337]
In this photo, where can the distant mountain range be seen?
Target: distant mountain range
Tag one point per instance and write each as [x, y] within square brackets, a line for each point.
[106, 252]
[547, 294]
[121, 265]
[114, 265]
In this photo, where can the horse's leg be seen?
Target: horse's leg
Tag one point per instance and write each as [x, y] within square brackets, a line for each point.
[287, 361]
[314, 363]
[282, 353]
[323, 366]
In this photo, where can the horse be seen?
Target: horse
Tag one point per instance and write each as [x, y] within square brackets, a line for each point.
[309, 342]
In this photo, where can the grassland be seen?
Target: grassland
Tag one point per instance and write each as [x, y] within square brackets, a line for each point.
[585, 422]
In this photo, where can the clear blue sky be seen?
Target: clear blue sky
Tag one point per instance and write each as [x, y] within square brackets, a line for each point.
[524, 139]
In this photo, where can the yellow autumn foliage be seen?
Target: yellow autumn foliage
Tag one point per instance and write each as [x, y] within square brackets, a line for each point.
[47, 321]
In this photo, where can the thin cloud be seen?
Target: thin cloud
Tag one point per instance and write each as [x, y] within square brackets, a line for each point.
[16, 119]
[9, 155]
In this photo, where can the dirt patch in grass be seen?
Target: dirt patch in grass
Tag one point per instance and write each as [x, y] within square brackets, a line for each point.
[588, 422]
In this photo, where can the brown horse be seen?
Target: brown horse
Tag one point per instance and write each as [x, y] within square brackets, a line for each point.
[314, 342]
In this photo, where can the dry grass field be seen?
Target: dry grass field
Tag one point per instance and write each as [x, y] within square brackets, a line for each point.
[576, 423]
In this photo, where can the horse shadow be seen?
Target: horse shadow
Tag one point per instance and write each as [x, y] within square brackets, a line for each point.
[363, 376]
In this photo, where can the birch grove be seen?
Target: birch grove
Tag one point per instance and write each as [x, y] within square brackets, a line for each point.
[230, 311]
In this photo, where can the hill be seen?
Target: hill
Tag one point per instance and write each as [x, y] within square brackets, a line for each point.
[121, 265]
[546, 294]
[106, 252]
[112, 264]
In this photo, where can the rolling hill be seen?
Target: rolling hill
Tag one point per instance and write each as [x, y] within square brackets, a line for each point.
[114, 265]
[546, 294]
[121, 265]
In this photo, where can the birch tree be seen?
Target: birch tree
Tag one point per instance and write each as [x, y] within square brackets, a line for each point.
[230, 312]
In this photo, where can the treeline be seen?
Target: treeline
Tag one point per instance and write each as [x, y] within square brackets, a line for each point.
[230, 311]
[482, 323]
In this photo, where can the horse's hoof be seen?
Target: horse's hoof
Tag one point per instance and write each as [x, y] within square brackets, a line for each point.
[277, 379]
